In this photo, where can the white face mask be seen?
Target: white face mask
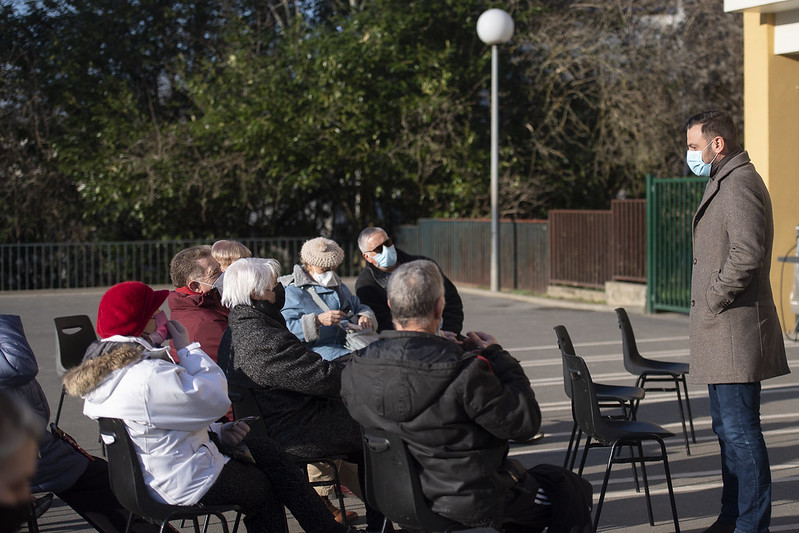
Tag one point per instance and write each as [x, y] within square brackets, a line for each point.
[326, 279]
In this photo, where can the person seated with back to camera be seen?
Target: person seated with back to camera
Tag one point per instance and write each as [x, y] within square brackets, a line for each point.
[322, 329]
[169, 406]
[298, 392]
[456, 407]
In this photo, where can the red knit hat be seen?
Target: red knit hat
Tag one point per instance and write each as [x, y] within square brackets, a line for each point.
[126, 308]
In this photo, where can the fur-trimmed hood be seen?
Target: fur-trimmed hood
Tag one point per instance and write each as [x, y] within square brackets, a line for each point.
[105, 356]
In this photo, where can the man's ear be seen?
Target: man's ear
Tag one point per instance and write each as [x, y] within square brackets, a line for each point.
[719, 144]
[438, 308]
[369, 260]
[194, 286]
[388, 303]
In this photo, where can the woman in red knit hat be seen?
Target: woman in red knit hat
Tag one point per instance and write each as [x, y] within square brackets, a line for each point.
[169, 406]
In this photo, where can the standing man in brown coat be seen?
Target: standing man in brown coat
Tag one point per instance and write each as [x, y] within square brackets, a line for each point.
[736, 341]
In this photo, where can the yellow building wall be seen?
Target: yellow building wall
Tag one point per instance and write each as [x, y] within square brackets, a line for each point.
[771, 136]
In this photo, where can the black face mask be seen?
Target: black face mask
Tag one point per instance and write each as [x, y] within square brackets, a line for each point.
[273, 309]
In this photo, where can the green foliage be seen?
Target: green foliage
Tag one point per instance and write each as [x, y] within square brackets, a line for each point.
[124, 119]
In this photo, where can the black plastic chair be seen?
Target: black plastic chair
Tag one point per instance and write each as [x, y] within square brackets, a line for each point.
[609, 396]
[650, 371]
[613, 433]
[127, 483]
[73, 335]
[393, 486]
[245, 404]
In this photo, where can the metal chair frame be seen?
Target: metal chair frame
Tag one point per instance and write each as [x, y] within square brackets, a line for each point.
[652, 371]
[71, 346]
[614, 433]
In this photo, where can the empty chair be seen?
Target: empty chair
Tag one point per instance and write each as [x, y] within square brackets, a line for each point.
[73, 335]
[393, 486]
[615, 433]
[660, 372]
[127, 483]
[609, 396]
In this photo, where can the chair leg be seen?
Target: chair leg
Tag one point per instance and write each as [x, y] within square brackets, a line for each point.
[669, 484]
[238, 520]
[598, 508]
[688, 406]
[33, 524]
[571, 443]
[585, 455]
[635, 469]
[646, 484]
[577, 447]
[682, 414]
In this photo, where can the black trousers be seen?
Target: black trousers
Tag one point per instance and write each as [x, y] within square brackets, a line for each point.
[264, 488]
[92, 499]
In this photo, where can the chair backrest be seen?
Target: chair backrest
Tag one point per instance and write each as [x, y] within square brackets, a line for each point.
[392, 483]
[632, 358]
[245, 404]
[566, 348]
[125, 472]
[585, 406]
[73, 335]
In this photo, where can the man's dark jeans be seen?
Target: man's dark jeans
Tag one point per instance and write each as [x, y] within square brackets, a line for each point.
[746, 495]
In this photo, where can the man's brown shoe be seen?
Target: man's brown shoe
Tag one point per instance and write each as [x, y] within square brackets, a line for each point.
[351, 515]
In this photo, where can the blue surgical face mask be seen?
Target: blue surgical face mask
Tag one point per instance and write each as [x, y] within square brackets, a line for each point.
[387, 258]
[697, 164]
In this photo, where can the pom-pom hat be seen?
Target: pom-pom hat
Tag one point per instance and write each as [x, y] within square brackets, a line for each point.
[126, 308]
[322, 252]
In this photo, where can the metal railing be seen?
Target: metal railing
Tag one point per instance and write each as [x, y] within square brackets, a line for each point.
[671, 203]
[461, 248]
[102, 264]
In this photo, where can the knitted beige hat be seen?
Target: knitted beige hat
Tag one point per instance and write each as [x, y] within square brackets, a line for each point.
[322, 252]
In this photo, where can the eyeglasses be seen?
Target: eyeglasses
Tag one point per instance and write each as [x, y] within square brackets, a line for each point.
[379, 248]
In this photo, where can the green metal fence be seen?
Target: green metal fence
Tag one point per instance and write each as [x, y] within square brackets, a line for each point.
[101, 264]
[671, 203]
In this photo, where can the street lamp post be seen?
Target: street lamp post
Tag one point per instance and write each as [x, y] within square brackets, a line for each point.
[494, 27]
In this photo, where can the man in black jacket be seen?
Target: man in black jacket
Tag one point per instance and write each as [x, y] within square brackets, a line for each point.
[383, 258]
[456, 411]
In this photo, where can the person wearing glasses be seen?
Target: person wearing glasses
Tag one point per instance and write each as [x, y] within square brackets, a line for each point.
[196, 303]
[382, 258]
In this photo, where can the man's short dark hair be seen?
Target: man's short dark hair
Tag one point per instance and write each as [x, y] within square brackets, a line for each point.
[715, 123]
[184, 266]
[413, 290]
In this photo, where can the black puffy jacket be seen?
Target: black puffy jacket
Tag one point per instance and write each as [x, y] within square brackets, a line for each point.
[456, 411]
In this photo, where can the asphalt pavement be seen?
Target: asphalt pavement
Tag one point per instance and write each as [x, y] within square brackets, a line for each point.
[523, 325]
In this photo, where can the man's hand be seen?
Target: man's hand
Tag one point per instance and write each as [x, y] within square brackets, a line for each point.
[450, 336]
[233, 432]
[479, 340]
[179, 334]
[331, 318]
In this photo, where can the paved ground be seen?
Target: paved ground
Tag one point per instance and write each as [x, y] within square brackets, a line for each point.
[524, 326]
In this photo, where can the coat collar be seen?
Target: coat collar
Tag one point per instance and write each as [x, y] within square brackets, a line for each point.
[731, 163]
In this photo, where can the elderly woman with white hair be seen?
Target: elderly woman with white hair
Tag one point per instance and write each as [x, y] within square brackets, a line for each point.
[319, 308]
[297, 391]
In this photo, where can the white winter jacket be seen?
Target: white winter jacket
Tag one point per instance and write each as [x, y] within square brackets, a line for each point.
[168, 409]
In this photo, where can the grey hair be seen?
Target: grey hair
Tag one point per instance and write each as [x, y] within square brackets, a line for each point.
[413, 290]
[248, 276]
[18, 423]
[366, 234]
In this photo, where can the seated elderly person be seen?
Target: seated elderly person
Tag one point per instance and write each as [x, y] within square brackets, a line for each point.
[169, 407]
[456, 409]
[297, 391]
[319, 307]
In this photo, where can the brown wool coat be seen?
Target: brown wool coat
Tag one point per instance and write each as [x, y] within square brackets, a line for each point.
[735, 333]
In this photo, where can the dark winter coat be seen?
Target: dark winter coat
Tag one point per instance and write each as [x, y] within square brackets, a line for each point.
[456, 411]
[297, 390]
[59, 466]
[203, 316]
[735, 332]
[371, 290]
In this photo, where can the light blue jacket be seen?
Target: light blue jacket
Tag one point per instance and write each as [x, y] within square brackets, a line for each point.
[300, 312]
